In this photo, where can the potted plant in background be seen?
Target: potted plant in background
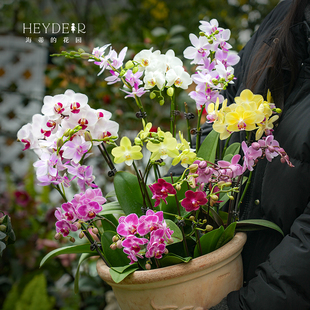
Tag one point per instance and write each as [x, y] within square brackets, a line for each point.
[158, 227]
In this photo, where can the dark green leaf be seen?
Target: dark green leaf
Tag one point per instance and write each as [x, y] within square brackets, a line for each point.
[208, 148]
[83, 257]
[115, 258]
[128, 192]
[2, 247]
[109, 223]
[76, 249]
[173, 259]
[2, 235]
[257, 224]
[111, 208]
[219, 221]
[208, 242]
[110, 195]
[227, 235]
[233, 149]
[118, 274]
[177, 235]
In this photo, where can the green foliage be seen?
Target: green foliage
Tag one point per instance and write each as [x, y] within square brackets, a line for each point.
[208, 148]
[215, 239]
[173, 259]
[7, 235]
[11, 299]
[115, 258]
[177, 234]
[132, 202]
[118, 274]
[83, 257]
[33, 297]
[257, 224]
[73, 249]
[232, 150]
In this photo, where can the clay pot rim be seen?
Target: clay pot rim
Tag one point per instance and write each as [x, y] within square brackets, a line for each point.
[227, 252]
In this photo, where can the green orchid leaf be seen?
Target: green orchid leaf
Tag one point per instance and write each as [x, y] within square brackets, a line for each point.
[232, 150]
[257, 224]
[216, 216]
[118, 274]
[115, 258]
[177, 235]
[208, 148]
[73, 249]
[2, 247]
[109, 222]
[111, 208]
[83, 257]
[9, 230]
[173, 259]
[227, 235]
[208, 242]
[180, 248]
[2, 235]
[110, 194]
[128, 192]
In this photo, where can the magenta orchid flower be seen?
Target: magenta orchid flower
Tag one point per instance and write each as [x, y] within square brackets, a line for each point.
[89, 211]
[156, 246]
[161, 190]
[64, 228]
[70, 212]
[128, 225]
[132, 247]
[193, 200]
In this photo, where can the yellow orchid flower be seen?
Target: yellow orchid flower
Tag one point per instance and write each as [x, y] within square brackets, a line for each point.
[221, 127]
[243, 118]
[144, 133]
[163, 149]
[187, 157]
[265, 126]
[213, 111]
[126, 153]
[246, 96]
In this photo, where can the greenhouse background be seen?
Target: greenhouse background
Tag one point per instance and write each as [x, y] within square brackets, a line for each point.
[28, 72]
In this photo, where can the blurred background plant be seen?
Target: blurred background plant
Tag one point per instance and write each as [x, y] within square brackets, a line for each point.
[138, 24]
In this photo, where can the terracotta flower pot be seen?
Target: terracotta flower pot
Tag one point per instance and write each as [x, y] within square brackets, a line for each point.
[197, 285]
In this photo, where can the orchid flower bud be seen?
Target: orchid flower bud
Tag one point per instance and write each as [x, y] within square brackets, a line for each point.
[129, 64]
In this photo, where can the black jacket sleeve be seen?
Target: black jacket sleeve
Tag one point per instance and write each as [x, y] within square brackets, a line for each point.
[283, 281]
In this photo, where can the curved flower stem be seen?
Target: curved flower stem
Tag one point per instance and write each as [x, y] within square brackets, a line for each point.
[93, 244]
[105, 219]
[182, 228]
[172, 116]
[188, 127]
[143, 188]
[197, 235]
[199, 128]
[63, 195]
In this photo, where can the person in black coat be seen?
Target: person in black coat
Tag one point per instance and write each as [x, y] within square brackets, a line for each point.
[276, 268]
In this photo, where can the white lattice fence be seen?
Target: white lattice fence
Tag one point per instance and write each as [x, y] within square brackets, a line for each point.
[22, 67]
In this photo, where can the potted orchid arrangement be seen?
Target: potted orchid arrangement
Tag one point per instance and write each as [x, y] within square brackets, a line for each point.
[156, 219]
